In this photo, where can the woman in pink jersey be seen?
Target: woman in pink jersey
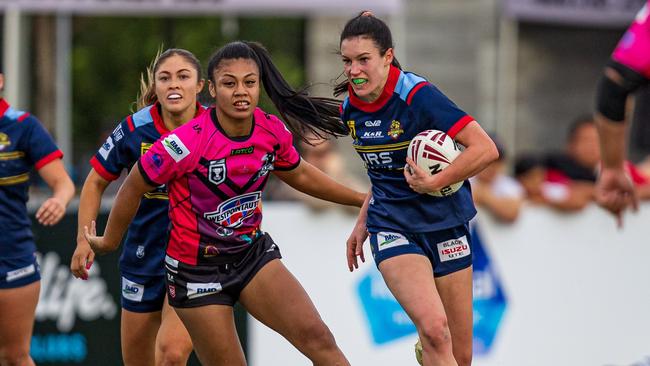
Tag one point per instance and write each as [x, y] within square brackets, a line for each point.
[151, 332]
[216, 167]
[628, 69]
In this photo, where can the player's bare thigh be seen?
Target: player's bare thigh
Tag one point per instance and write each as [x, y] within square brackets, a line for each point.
[17, 319]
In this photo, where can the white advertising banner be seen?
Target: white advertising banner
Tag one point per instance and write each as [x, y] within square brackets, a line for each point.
[550, 289]
[280, 7]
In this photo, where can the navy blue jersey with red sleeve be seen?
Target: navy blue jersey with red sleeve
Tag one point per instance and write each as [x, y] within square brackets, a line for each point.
[144, 246]
[24, 143]
[382, 131]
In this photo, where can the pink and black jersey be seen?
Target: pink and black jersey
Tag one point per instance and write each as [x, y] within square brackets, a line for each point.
[144, 249]
[24, 143]
[215, 182]
[633, 50]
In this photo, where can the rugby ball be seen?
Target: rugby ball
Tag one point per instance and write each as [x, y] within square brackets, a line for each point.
[433, 151]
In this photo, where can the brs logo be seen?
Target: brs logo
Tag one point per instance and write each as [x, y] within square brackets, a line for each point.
[233, 212]
[376, 159]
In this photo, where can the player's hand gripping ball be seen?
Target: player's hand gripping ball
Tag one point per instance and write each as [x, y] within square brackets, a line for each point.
[433, 151]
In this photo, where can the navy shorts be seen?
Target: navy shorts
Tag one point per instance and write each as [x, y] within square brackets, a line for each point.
[449, 250]
[19, 271]
[142, 294]
[218, 280]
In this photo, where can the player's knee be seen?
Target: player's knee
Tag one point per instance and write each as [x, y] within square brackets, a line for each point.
[317, 335]
[436, 335]
[172, 354]
[14, 356]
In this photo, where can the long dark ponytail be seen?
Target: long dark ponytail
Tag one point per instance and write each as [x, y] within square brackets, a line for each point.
[367, 25]
[303, 114]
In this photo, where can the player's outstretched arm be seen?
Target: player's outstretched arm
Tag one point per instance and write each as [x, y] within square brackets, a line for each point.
[89, 203]
[124, 209]
[310, 180]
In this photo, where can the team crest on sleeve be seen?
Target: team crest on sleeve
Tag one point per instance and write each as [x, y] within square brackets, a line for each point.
[175, 147]
[233, 212]
[217, 171]
[395, 129]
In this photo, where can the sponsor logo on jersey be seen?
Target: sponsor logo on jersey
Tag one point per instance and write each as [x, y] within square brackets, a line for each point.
[140, 251]
[172, 291]
[4, 141]
[233, 212]
[195, 290]
[175, 147]
[217, 171]
[118, 133]
[353, 131]
[376, 159]
[131, 290]
[453, 249]
[267, 165]
[106, 148]
[20, 273]
[242, 151]
[395, 129]
[372, 135]
[170, 278]
[375, 123]
[387, 240]
[210, 251]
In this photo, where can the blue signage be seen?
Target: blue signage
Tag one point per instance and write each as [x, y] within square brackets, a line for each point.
[489, 299]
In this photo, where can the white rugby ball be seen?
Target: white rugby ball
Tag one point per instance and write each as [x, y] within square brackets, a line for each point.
[433, 151]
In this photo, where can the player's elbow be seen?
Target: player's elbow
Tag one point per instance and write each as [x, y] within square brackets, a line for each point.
[490, 153]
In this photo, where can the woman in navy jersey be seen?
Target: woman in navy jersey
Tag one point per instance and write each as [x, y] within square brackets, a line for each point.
[24, 144]
[420, 243]
[216, 167]
[151, 332]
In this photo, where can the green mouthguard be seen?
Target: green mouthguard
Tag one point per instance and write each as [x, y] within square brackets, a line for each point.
[358, 81]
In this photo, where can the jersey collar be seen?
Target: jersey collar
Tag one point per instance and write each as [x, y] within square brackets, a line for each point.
[386, 94]
[3, 107]
[158, 121]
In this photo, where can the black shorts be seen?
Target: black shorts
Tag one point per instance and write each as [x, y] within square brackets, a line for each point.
[219, 282]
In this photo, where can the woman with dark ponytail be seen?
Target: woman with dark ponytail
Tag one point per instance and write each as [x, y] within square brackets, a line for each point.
[420, 243]
[216, 167]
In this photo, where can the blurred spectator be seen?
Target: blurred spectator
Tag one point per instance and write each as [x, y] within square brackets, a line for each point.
[530, 172]
[497, 192]
[575, 169]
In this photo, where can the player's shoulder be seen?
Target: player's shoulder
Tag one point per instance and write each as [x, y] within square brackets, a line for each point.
[270, 122]
[412, 87]
[141, 119]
